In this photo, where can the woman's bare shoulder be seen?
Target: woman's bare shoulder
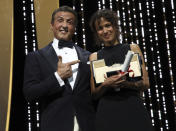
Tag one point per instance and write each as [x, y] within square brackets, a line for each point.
[93, 56]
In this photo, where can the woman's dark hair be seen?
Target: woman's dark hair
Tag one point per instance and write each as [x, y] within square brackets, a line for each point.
[64, 9]
[108, 15]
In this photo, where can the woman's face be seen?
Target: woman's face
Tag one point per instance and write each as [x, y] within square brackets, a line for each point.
[106, 32]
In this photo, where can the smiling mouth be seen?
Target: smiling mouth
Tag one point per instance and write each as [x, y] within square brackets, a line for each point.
[63, 31]
[107, 37]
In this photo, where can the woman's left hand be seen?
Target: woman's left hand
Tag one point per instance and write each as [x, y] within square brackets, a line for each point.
[115, 81]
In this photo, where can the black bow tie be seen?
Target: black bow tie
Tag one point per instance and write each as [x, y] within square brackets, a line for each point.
[63, 44]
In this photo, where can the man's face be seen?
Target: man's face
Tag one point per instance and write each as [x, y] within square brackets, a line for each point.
[63, 26]
[105, 31]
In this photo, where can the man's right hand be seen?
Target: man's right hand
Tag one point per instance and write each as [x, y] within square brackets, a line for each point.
[64, 69]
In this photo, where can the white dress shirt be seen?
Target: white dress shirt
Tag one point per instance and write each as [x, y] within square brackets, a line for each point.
[68, 55]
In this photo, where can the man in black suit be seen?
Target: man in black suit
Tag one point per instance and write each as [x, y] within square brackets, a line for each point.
[58, 77]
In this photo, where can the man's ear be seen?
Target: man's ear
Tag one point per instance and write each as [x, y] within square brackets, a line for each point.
[51, 27]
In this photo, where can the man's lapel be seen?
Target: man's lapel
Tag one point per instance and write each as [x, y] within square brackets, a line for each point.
[82, 59]
[50, 55]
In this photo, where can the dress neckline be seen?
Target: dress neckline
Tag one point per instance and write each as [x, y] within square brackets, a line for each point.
[110, 47]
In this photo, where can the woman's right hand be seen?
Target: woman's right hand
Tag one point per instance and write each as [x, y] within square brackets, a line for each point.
[114, 81]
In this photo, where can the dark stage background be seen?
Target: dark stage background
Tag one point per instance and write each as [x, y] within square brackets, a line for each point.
[149, 23]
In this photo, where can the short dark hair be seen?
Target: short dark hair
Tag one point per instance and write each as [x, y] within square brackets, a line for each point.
[108, 15]
[64, 9]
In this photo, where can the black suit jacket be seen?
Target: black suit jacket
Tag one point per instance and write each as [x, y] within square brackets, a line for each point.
[59, 104]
